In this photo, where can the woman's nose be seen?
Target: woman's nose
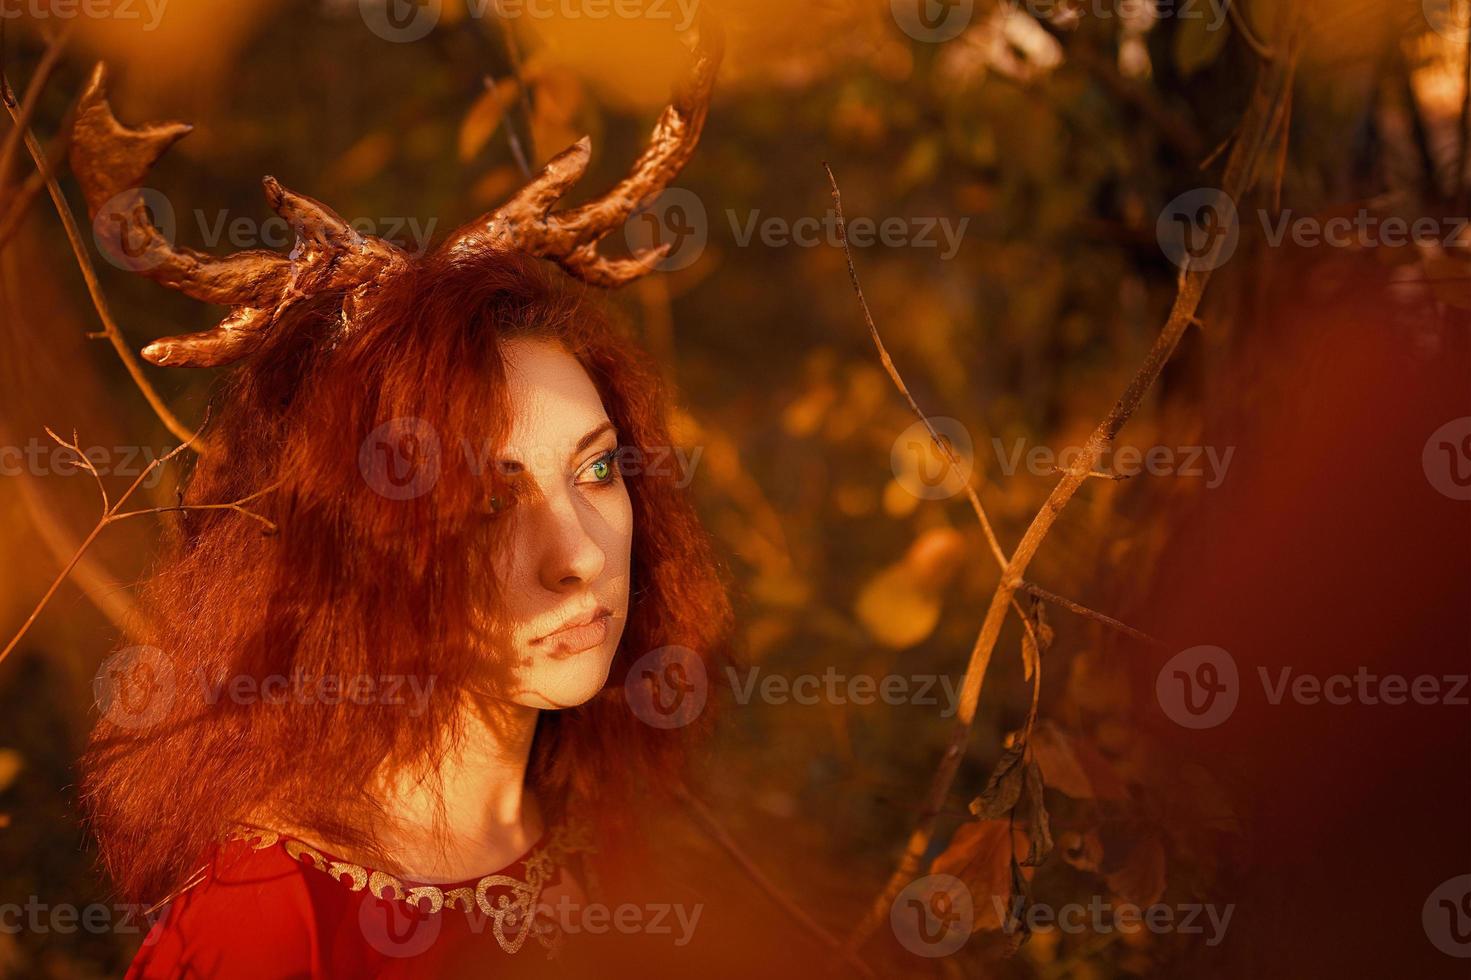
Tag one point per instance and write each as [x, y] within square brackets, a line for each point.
[571, 556]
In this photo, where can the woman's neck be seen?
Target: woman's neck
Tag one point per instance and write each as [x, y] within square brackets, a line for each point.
[487, 818]
[471, 814]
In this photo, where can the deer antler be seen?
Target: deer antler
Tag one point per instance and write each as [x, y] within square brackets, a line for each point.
[570, 238]
[112, 160]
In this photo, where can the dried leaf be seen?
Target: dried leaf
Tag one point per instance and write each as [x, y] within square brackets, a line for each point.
[1034, 809]
[1016, 920]
[1004, 787]
[980, 854]
[1032, 649]
[1073, 767]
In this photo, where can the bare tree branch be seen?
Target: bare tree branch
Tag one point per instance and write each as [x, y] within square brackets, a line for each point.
[29, 102]
[1273, 83]
[113, 514]
[94, 288]
[950, 458]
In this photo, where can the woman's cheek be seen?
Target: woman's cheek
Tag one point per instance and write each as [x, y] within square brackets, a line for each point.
[620, 547]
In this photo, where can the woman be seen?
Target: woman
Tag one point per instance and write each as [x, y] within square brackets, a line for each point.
[380, 719]
[475, 601]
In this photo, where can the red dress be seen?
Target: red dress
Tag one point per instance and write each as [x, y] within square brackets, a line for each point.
[269, 906]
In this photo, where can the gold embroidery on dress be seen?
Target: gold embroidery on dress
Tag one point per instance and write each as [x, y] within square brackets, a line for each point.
[513, 912]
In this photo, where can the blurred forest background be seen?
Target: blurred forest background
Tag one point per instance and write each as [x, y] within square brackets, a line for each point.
[1058, 132]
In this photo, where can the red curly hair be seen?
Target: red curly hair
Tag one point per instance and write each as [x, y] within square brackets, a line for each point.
[354, 584]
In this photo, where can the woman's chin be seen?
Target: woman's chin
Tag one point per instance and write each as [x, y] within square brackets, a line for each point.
[568, 682]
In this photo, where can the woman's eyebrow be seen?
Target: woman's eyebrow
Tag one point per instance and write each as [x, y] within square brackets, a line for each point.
[510, 465]
[592, 436]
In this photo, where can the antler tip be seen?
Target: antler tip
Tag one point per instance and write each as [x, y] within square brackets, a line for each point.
[157, 354]
[575, 156]
[171, 353]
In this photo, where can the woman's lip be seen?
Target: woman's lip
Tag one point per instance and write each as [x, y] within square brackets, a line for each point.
[578, 637]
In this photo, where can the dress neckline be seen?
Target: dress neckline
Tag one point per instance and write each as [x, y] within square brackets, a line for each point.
[301, 850]
[523, 879]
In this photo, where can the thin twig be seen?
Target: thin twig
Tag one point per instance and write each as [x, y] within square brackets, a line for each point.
[94, 289]
[114, 514]
[238, 506]
[897, 378]
[1071, 606]
[1263, 51]
[975, 501]
[1038, 646]
[1273, 82]
[1224, 145]
[1283, 143]
[22, 199]
[29, 103]
[513, 52]
[55, 584]
[83, 462]
[712, 826]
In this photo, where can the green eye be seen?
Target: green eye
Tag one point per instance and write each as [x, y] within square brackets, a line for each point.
[602, 469]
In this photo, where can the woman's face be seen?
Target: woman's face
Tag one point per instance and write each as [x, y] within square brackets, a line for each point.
[565, 567]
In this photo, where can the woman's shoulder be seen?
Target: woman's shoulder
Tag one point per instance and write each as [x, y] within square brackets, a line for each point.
[250, 910]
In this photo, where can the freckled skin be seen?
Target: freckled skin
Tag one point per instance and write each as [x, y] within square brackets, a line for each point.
[571, 539]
